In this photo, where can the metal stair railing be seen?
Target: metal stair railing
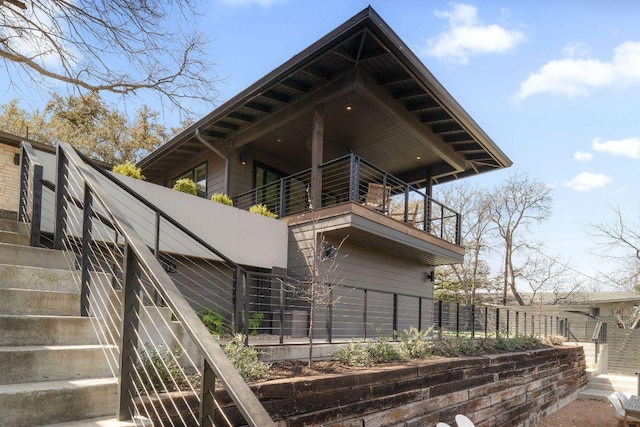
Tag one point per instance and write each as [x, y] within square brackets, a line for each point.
[166, 360]
[30, 203]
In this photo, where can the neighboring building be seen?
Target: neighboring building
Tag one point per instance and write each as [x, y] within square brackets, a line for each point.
[10, 172]
[346, 139]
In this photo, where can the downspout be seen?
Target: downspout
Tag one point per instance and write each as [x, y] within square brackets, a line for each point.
[207, 144]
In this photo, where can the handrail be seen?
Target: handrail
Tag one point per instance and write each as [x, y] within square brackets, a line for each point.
[245, 400]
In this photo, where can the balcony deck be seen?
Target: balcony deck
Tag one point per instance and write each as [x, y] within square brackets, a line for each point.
[378, 231]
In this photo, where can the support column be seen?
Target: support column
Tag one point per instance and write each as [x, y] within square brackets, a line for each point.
[317, 142]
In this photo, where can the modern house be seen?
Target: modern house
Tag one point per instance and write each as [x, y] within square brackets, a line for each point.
[345, 141]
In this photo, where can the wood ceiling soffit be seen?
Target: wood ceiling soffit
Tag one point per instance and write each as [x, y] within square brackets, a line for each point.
[435, 116]
[467, 146]
[189, 149]
[408, 93]
[276, 96]
[258, 107]
[243, 117]
[447, 128]
[367, 87]
[389, 80]
[328, 91]
[478, 156]
[426, 104]
[296, 85]
[214, 133]
[318, 72]
[462, 137]
[226, 125]
[345, 53]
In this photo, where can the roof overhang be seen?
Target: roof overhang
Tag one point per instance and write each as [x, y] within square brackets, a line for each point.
[397, 107]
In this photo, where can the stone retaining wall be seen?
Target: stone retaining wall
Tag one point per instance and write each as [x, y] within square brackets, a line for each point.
[515, 389]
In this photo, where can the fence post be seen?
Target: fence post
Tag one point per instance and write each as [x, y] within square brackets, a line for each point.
[354, 179]
[440, 318]
[61, 198]
[473, 321]
[364, 314]
[517, 325]
[238, 285]
[498, 322]
[457, 319]
[87, 216]
[330, 316]
[458, 229]
[507, 323]
[420, 314]
[281, 314]
[486, 322]
[129, 342]
[427, 213]
[245, 307]
[395, 317]
[24, 177]
[281, 207]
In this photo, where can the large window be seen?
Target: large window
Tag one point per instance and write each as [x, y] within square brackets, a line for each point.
[199, 176]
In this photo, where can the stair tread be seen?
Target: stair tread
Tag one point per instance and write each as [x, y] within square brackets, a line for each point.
[104, 422]
[39, 290]
[55, 385]
[34, 267]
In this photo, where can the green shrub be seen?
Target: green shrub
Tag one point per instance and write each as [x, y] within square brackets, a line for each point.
[354, 354]
[213, 321]
[521, 342]
[159, 369]
[261, 209]
[222, 198]
[254, 323]
[186, 185]
[382, 351]
[128, 169]
[456, 346]
[554, 340]
[414, 344]
[245, 359]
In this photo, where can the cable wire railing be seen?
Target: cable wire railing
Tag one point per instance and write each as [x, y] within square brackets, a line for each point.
[30, 198]
[141, 278]
[353, 179]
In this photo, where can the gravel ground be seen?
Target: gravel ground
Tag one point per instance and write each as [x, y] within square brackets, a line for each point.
[582, 413]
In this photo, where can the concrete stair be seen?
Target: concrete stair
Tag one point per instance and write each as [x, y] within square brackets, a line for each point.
[52, 367]
[601, 386]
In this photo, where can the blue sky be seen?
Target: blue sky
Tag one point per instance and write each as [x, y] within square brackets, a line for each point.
[556, 84]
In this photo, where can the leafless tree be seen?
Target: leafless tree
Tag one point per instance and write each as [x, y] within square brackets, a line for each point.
[119, 46]
[549, 279]
[619, 241]
[516, 205]
[473, 205]
[317, 283]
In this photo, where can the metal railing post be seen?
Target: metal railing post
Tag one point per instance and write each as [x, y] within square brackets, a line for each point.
[36, 207]
[427, 213]
[238, 285]
[507, 323]
[458, 229]
[354, 179]
[364, 314]
[473, 321]
[457, 319]
[517, 322]
[395, 317]
[486, 322]
[129, 326]
[440, 317]
[420, 314]
[61, 197]
[281, 314]
[281, 207]
[24, 178]
[330, 317]
[406, 204]
[87, 216]
[245, 308]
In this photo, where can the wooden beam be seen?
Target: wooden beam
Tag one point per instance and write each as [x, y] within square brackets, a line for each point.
[244, 117]
[295, 85]
[317, 143]
[214, 134]
[258, 106]
[447, 128]
[367, 86]
[435, 116]
[276, 96]
[394, 79]
[425, 104]
[227, 125]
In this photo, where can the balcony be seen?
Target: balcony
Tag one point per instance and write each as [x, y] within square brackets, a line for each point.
[351, 185]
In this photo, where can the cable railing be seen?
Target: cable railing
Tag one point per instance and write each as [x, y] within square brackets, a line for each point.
[142, 276]
[353, 179]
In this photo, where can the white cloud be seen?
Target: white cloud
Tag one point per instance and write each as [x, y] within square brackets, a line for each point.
[466, 36]
[581, 156]
[629, 147]
[575, 49]
[586, 181]
[579, 76]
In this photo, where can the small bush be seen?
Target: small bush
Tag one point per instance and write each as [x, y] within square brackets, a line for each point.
[222, 198]
[185, 185]
[128, 169]
[554, 340]
[159, 370]
[456, 346]
[522, 342]
[261, 209]
[354, 354]
[213, 321]
[245, 359]
[414, 344]
[254, 323]
[382, 351]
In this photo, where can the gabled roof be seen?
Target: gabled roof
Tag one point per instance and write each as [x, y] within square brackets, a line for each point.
[398, 107]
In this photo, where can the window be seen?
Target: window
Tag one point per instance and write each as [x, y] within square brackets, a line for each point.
[199, 176]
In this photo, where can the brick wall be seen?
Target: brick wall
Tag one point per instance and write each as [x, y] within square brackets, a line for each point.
[516, 389]
[10, 179]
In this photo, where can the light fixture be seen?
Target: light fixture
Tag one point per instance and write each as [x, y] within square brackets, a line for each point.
[16, 159]
[243, 158]
[429, 276]
[418, 157]
[278, 140]
[348, 107]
